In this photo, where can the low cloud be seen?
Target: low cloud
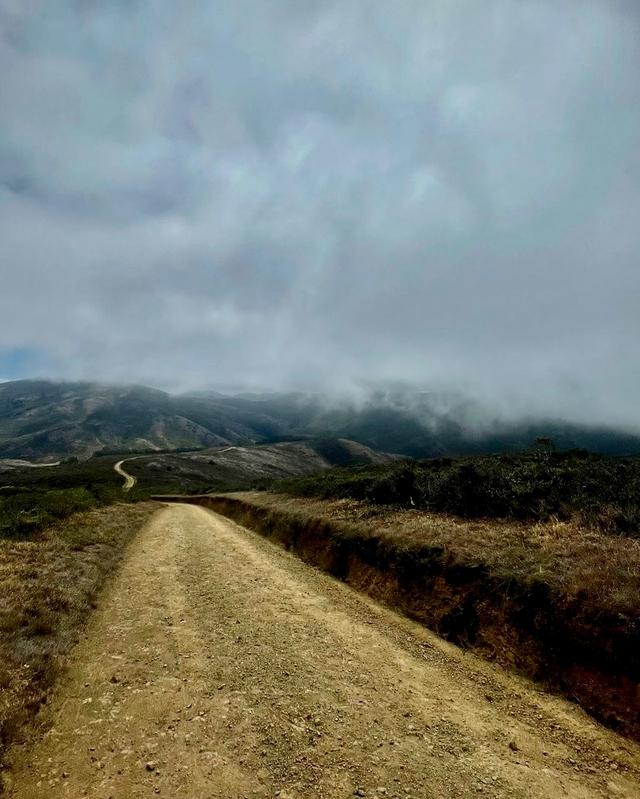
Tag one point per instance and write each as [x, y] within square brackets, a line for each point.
[327, 195]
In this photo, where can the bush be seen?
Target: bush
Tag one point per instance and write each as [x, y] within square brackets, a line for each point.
[26, 513]
[599, 491]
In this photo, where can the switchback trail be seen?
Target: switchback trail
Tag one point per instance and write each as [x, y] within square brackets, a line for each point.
[218, 665]
[129, 479]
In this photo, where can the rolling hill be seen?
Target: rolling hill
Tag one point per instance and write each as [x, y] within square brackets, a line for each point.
[232, 468]
[42, 420]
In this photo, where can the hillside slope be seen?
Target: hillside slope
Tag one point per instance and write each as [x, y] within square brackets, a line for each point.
[245, 466]
[41, 420]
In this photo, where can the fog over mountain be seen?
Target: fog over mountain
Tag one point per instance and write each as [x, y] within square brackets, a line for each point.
[44, 421]
[326, 196]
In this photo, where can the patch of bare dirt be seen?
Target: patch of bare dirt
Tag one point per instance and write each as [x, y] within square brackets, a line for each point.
[218, 665]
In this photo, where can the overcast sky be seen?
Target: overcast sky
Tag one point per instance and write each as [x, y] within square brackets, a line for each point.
[317, 194]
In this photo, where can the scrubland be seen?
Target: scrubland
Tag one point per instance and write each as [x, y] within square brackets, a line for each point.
[49, 579]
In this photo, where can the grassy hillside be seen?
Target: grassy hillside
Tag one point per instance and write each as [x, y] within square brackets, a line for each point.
[237, 467]
[595, 490]
[34, 498]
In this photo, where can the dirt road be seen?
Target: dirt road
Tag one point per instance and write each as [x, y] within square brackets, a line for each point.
[218, 665]
[129, 479]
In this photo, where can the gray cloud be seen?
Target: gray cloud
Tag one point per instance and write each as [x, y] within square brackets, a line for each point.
[326, 194]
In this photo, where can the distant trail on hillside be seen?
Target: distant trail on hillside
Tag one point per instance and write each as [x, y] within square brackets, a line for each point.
[180, 688]
[129, 479]
[19, 463]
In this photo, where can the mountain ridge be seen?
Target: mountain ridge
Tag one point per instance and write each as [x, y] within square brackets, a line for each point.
[44, 420]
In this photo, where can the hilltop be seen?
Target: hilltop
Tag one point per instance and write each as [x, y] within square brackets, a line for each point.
[43, 421]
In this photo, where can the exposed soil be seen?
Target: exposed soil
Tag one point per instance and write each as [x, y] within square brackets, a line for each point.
[553, 601]
[218, 665]
[129, 479]
[48, 586]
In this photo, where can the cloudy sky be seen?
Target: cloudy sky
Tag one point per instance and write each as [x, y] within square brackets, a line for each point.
[319, 194]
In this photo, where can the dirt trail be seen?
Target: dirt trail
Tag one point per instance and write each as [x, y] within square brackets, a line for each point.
[129, 479]
[218, 665]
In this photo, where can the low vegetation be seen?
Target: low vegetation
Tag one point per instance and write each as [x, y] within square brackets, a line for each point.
[48, 582]
[554, 599]
[33, 499]
[531, 559]
[596, 491]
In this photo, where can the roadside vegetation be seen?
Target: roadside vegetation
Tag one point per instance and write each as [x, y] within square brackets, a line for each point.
[49, 580]
[62, 531]
[595, 491]
[555, 596]
[33, 499]
[531, 559]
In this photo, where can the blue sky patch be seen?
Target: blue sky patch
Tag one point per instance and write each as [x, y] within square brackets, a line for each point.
[21, 362]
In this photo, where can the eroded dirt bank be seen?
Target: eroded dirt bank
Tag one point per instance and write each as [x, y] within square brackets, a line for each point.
[218, 665]
[548, 601]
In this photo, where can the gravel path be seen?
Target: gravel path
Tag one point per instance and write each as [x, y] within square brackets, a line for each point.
[218, 665]
[129, 479]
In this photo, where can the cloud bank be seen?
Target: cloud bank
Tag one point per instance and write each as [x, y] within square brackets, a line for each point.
[325, 194]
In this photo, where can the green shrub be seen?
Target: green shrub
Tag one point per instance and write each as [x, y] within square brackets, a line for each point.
[27, 513]
[600, 491]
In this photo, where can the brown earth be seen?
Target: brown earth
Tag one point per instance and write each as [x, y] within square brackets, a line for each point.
[218, 665]
[129, 479]
[552, 600]
[48, 586]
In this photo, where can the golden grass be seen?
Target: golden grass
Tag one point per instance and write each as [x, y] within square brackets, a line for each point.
[554, 600]
[578, 562]
[48, 586]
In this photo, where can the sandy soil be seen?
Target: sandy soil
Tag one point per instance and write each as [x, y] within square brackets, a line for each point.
[218, 665]
[129, 479]
[7, 464]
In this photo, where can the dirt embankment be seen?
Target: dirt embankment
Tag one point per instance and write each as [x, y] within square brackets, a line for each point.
[545, 607]
[219, 665]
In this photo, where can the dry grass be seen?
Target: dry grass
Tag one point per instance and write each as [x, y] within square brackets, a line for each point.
[578, 562]
[553, 600]
[48, 586]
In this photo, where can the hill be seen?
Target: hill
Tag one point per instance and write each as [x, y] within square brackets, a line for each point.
[247, 466]
[43, 421]
[33, 498]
